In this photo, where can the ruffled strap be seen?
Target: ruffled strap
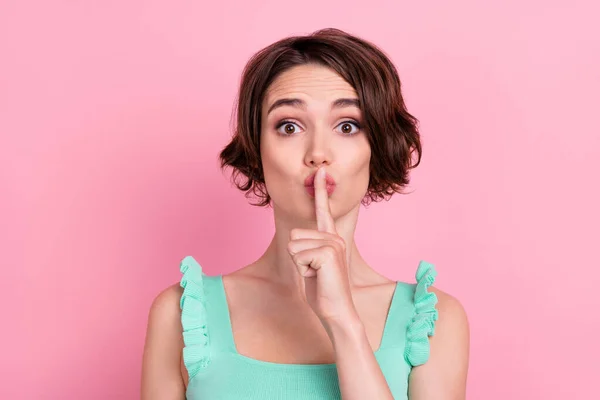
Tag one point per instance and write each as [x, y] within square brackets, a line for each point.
[422, 324]
[196, 354]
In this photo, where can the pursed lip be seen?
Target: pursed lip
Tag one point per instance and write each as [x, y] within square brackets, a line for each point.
[310, 180]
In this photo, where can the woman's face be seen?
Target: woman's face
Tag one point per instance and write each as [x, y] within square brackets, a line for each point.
[310, 118]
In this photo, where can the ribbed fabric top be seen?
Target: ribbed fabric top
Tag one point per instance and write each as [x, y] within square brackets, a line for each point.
[218, 372]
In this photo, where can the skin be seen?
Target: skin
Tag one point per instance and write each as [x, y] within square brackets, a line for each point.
[311, 292]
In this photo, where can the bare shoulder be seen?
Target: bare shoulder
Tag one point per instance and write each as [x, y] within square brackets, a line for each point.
[165, 306]
[444, 375]
[162, 376]
[451, 312]
[451, 338]
[164, 333]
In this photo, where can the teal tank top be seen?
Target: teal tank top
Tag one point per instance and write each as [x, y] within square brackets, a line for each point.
[218, 372]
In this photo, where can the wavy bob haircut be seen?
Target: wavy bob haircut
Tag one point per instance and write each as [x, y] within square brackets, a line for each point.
[391, 130]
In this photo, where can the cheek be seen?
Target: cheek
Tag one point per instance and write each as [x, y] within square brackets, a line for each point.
[365, 171]
[276, 162]
[360, 157]
[362, 166]
[270, 158]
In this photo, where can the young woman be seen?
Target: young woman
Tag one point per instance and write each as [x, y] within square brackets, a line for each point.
[321, 129]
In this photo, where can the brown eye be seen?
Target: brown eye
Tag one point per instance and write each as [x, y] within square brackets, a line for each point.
[347, 128]
[288, 128]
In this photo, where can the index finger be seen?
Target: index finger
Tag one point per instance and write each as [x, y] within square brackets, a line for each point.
[325, 220]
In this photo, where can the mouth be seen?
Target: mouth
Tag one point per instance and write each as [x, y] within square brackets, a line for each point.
[309, 184]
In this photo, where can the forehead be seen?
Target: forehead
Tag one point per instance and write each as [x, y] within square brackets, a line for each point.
[314, 81]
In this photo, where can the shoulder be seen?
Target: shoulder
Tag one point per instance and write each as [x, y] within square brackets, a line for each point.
[164, 319]
[165, 306]
[451, 338]
[438, 307]
[445, 372]
[452, 314]
[161, 367]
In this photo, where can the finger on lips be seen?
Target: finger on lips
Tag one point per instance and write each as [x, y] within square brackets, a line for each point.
[309, 248]
[325, 221]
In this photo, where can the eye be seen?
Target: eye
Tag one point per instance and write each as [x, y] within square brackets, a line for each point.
[287, 128]
[346, 127]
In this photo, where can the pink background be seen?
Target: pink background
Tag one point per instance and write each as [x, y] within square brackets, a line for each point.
[112, 114]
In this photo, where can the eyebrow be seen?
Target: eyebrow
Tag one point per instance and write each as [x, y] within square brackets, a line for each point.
[298, 103]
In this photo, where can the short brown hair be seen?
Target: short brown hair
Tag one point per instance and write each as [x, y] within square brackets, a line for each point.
[391, 130]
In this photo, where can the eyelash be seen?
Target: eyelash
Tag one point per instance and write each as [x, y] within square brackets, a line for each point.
[284, 122]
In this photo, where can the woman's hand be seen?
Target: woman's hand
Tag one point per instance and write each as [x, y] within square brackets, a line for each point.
[320, 257]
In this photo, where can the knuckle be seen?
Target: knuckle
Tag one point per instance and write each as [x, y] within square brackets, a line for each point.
[296, 258]
[290, 248]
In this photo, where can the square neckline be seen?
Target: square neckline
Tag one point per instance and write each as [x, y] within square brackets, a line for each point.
[256, 361]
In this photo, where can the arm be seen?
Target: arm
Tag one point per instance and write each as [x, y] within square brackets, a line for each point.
[161, 365]
[444, 375]
[359, 374]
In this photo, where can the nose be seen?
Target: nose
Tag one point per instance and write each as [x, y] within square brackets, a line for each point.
[318, 149]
